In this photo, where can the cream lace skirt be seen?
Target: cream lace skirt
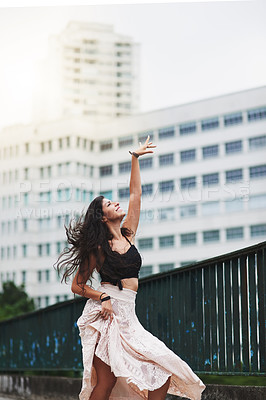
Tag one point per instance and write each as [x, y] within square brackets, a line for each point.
[139, 360]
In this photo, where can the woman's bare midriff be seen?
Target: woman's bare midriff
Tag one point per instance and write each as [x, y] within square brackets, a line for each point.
[129, 283]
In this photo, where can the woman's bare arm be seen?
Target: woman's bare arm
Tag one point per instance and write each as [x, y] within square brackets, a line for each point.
[132, 219]
[79, 285]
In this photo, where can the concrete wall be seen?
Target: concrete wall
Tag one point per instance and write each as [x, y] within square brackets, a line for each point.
[59, 388]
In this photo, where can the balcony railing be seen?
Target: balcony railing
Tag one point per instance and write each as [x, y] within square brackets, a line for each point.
[211, 313]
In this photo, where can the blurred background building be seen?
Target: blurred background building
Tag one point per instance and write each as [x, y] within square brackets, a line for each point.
[204, 189]
[90, 71]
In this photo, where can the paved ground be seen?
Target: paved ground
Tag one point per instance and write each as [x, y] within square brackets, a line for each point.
[6, 398]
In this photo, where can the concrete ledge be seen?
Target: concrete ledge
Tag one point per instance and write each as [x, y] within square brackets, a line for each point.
[60, 388]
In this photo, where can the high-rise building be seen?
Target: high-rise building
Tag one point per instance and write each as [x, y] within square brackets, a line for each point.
[90, 71]
[204, 188]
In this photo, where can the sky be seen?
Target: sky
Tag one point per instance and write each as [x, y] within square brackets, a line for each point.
[189, 50]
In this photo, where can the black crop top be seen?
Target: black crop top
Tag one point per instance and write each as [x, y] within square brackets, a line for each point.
[132, 260]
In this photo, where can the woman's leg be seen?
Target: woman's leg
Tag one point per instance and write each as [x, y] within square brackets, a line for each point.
[159, 394]
[105, 380]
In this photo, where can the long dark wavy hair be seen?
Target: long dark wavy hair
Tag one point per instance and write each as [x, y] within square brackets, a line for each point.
[87, 236]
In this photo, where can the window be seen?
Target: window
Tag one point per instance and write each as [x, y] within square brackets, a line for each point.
[211, 179]
[146, 243]
[257, 172]
[146, 215]
[147, 189]
[26, 173]
[26, 199]
[166, 132]
[146, 162]
[108, 194]
[63, 194]
[25, 224]
[87, 196]
[106, 170]
[258, 230]
[39, 276]
[210, 123]
[166, 214]
[107, 145]
[187, 183]
[40, 252]
[123, 193]
[188, 239]
[233, 205]
[145, 270]
[24, 250]
[210, 208]
[257, 201]
[166, 267]
[166, 159]
[233, 119]
[125, 141]
[211, 236]
[24, 276]
[48, 249]
[234, 175]
[166, 241]
[233, 147]
[257, 142]
[234, 233]
[187, 211]
[78, 194]
[188, 155]
[124, 167]
[210, 151]
[143, 136]
[166, 186]
[47, 275]
[45, 196]
[58, 247]
[256, 114]
[47, 301]
[59, 221]
[188, 128]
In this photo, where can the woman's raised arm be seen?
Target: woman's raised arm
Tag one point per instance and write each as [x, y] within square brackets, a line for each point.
[132, 219]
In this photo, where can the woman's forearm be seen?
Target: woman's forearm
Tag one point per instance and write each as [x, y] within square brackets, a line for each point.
[135, 181]
[86, 291]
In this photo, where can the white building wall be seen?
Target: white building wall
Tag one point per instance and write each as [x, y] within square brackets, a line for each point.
[67, 154]
[90, 71]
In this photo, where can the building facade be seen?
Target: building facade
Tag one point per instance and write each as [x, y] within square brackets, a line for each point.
[90, 71]
[204, 188]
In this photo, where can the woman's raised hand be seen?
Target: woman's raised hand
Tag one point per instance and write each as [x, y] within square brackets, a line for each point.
[144, 148]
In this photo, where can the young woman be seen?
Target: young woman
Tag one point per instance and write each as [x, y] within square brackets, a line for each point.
[121, 359]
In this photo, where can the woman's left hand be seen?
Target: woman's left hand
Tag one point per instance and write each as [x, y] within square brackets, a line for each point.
[144, 148]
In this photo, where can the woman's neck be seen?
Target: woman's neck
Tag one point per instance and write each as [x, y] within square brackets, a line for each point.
[115, 230]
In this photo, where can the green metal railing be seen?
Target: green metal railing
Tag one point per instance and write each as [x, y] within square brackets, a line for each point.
[211, 313]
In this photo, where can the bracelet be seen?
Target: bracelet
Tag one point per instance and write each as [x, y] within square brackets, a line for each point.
[101, 295]
[134, 154]
[105, 298]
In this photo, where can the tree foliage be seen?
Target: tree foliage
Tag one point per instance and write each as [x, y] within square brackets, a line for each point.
[14, 301]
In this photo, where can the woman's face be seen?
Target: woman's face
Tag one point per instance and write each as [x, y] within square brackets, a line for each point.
[111, 210]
